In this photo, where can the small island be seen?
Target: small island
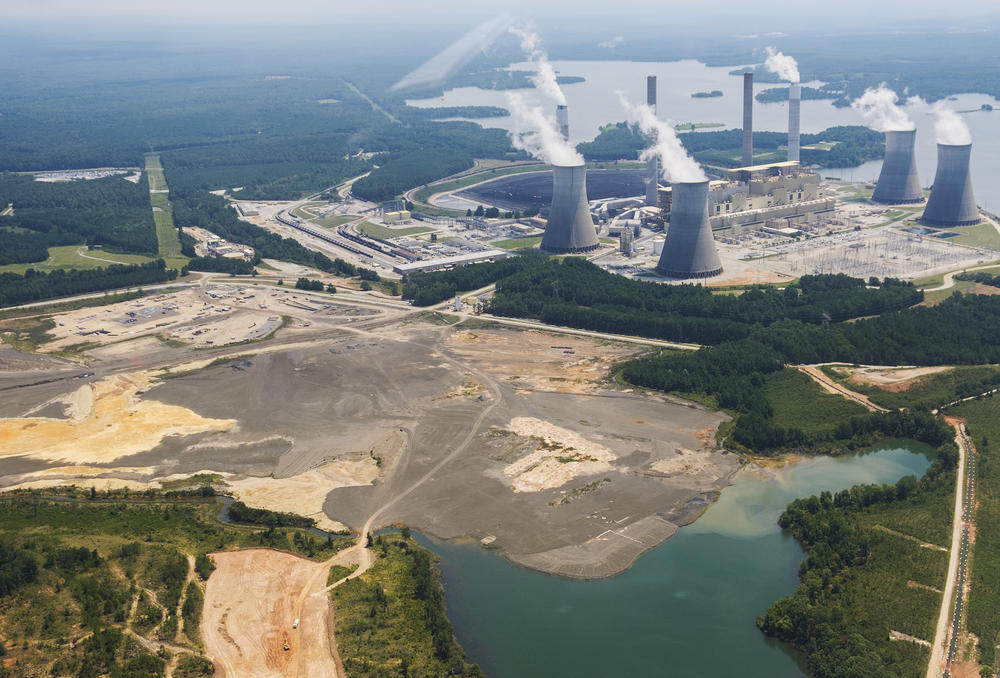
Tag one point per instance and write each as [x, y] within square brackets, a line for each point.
[707, 95]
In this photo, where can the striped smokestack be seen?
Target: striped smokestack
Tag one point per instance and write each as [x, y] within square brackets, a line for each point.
[748, 118]
[652, 165]
[562, 121]
[794, 106]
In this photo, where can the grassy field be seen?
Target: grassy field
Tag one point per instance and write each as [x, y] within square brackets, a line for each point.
[800, 402]
[76, 256]
[335, 220]
[518, 243]
[980, 235]
[983, 615]
[166, 233]
[930, 391]
[106, 561]
[383, 233]
[390, 620]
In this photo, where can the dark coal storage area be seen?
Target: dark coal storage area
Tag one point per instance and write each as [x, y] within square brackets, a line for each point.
[523, 191]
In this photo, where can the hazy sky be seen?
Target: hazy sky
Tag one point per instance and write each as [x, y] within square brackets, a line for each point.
[331, 12]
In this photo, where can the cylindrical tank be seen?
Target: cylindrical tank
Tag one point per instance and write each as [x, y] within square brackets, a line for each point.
[898, 182]
[657, 246]
[794, 107]
[570, 227]
[689, 249]
[748, 119]
[952, 202]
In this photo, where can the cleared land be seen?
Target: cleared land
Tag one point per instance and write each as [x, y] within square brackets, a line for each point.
[76, 256]
[166, 233]
[384, 233]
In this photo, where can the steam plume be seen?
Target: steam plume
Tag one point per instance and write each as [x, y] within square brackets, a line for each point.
[537, 134]
[949, 126]
[545, 76]
[785, 66]
[677, 165]
[880, 109]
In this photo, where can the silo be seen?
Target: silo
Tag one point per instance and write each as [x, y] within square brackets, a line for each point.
[570, 228]
[689, 249]
[898, 182]
[794, 108]
[952, 202]
[748, 119]
[652, 166]
[562, 120]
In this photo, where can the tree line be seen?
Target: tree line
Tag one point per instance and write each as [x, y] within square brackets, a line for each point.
[34, 285]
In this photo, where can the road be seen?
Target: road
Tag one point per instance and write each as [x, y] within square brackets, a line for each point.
[830, 385]
[950, 613]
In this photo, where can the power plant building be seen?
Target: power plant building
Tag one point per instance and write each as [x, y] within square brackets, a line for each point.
[689, 249]
[570, 228]
[754, 194]
[952, 202]
[898, 183]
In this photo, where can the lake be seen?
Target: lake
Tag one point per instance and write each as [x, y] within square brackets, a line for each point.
[686, 608]
[594, 103]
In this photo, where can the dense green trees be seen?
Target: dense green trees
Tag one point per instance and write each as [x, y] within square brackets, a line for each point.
[17, 567]
[241, 513]
[426, 289]
[32, 286]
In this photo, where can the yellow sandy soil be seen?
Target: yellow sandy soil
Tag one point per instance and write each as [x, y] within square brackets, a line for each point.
[116, 424]
[889, 379]
[305, 493]
[687, 462]
[541, 469]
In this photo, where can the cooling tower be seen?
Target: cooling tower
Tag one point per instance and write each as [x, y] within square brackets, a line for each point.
[569, 228]
[747, 119]
[652, 166]
[689, 249]
[794, 107]
[952, 202]
[898, 182]
[562, 121]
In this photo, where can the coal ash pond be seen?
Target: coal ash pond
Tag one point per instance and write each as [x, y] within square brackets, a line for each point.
[534, 189]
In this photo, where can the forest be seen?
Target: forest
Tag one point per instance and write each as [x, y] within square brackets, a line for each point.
[33, 285]
[854, 586]
[110, 212]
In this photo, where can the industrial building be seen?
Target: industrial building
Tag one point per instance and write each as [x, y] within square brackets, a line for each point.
[898, 183]
[570, 227]
[952, 202]
[755, 194]
[689, 249]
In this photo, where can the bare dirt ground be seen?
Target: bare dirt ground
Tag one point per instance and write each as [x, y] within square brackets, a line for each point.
[888, 378]
[250, 606]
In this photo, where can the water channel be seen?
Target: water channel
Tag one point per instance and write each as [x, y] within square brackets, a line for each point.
[686, 608]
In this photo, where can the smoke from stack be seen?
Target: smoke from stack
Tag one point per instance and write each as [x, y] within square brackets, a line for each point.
[665, 145]
[652, 166]
[786, 67]
[570, 228]
[748, 119]
[689, 249]
[949, 127]
[952, 202]
[880, 108]
[562, 121]
[544, 78]
[537, 134]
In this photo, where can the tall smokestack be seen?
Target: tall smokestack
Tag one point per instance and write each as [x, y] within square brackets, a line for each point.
[652, 165]
[794, 106]
[689, 249]
[748, 119]
[562, 120]
[570, 227]
[898, 182]
[952, 202]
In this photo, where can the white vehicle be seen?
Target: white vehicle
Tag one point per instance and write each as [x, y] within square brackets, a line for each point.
[295, 624]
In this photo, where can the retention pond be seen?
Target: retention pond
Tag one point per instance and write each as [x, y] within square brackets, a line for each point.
[686, 608]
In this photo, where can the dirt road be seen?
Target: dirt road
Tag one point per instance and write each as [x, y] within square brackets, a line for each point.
[833, 387]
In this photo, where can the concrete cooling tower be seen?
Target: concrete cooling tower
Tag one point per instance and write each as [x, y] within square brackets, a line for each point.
[570, 228]
[952, 202]
[898, 182]
[794, 108]
[652, 165]
[689, 249]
